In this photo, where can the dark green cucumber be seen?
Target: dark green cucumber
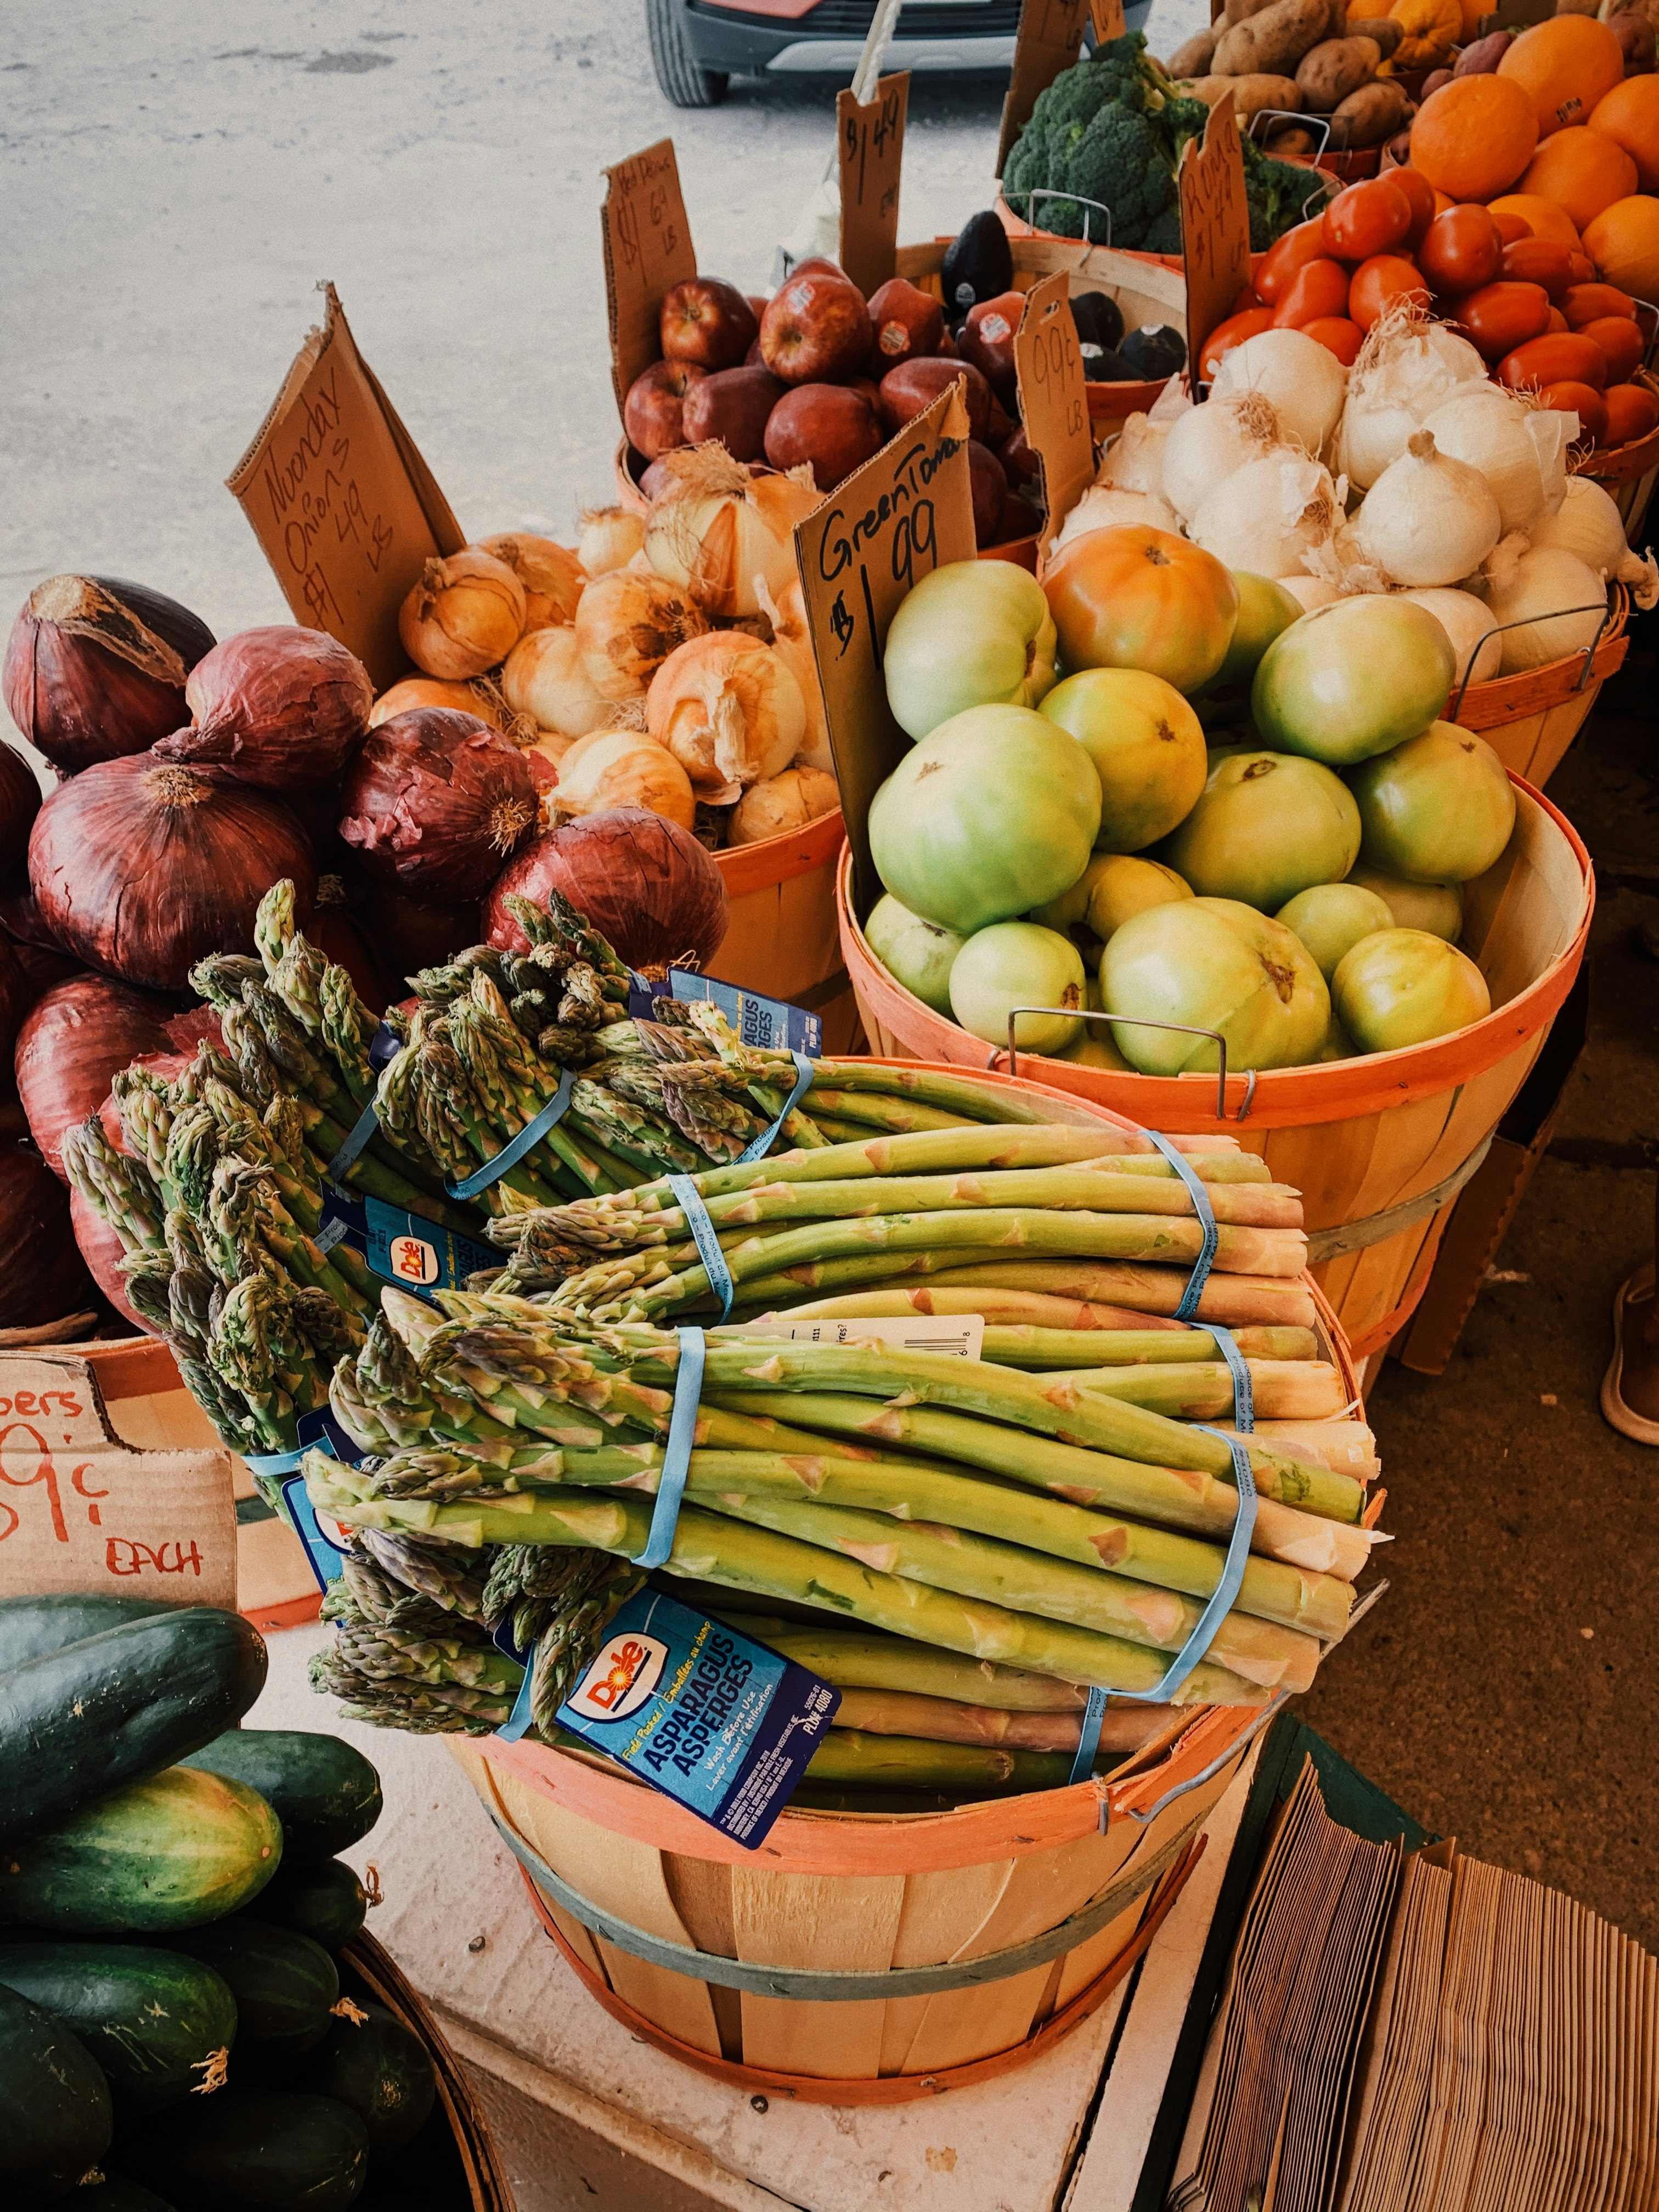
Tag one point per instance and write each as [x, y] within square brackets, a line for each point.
[168, 1854]
[31, 1626]
[375, 2065]
[325, 1902]
[326, 1794]
[158, 2024]
[259, 2150]
[79, 1723]
[284, 1985]
[117, 2195]
[55, 2116]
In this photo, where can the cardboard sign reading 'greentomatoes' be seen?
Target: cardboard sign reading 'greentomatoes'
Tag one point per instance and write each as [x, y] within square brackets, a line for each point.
[345, 509]
[647, 251]
[1215, 227]
[1050, 40]
[892, 522]
[80, 1511]
[872, 142]
[1054, 399]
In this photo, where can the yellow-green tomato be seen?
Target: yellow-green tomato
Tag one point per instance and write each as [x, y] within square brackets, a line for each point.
[1329, 918]
[1437, 908]
[1352, 679]
[1095, 1049]
[1438, 810]
[1267, 826]
[1403, 987]
[1124, 884]
[1147, 746]
[1071, 909]
[918, 954]
[972, 634]
[1265, 608]
[1214, 964]
[1019, 964]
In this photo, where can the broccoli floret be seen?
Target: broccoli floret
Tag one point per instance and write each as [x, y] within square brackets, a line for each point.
[1162, 235]
[1277, 193]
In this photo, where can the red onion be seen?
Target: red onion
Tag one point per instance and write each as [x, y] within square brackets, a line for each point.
[20, 802]
[42, 1276]
[408, 935]
[95, 668]
[142, 867]
[17, 995]
[338, 938]
[101, 1249]
[282, 708]
[642, 881]
[71, 1045]
[436, 801]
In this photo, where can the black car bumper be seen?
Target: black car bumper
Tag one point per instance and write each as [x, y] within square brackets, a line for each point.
[931, 35]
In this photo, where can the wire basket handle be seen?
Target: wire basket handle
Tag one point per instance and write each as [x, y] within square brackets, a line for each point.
[1035, 192]
[1133, 1021]
[1455, 705]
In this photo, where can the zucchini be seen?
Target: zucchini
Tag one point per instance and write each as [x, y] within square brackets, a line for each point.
[325, 1793]
[325, 1902]
[381, 2070]
[114, 2195]
[260, 2150]
[284, 1985]
[158, 2024]
[56, 2121]
[31, 1626]
[79, 1723]
[166, 1854]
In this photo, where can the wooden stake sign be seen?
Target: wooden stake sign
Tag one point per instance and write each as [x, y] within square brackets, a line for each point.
[1050, 40]
[1215, 227]
[1107, 16]
[904, 513]
[872, 144]
[647, 251]
[1054, 399]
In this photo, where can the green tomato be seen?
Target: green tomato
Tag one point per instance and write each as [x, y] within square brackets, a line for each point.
[972, 634]
[1267, 826]
[1126, 884]
[1329, 918]
[1016, 963]
[1437, 908]
[1147, 746]
[1265, 609]
[1213, 964]
[1438, 810]
[1353, 678]
[992, 813]
[1096, 1049]
[1403, 987]
[1070, 910]
[918, 954]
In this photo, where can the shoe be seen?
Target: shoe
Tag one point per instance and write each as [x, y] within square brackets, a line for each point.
[1614, 1411]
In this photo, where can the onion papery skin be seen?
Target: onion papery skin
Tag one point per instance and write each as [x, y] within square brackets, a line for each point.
[642, 881]
[140, 867]
[20, 802]
[408, 934]
[95, 668]
[42, 1275]
[281, 708]
[77, 1037]
[462, 615]
[17, 996]
[551, 575]
[435, 803]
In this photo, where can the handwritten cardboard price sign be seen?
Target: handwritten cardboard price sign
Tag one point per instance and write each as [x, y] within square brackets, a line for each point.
[1107, 16]
[1215, 227]
[889, 524]
[347, 511]
[647, 251]
[1054, 399]
[1050, 40]
[872, 141]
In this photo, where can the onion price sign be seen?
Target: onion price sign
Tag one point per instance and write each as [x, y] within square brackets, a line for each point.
[1054, 399]
[647, 251]
[1215, 227]
[872, 141]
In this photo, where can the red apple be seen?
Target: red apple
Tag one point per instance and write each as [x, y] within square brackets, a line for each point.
[815, 329]
[654, 411]
[829, 425]
[1019, 518]
[706, 321]
[755, 358]
[656, 479]
[732, 405]
[757, 305]
[999, 424]
[913, 385]
[947, 347]
[1019, 463]
[816, 264]
[905, 324]
[987, 340]
[989, 490]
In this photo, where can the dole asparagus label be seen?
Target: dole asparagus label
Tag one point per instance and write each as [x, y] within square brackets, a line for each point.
[404, 1249]
[702, 1712]
[764, 1024]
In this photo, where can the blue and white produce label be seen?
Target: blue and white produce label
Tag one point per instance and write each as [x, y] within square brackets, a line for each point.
[766, 1024]
[404, 1249]
[324, 1538]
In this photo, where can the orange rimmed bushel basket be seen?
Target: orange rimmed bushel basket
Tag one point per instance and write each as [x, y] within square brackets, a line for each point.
[1530, 720]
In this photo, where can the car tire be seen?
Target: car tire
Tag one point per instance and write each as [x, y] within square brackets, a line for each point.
[682, 77]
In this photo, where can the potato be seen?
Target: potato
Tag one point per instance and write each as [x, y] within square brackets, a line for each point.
[1193, 59]
[1274, 42]
[1250, 94]
[1382, 31]
[1481, 56]
[1368, 116]
[1333, 69]
[1238, 11]
[1291, 138]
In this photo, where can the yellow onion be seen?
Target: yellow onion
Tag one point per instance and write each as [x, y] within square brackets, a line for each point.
[431, 691]
[609, 538]
[729, 710]
[466, 614]
[551, 575]
[626, 624]
[545, 680]
[622, 767]
[793, 641]
[783, 803]
[717, 528]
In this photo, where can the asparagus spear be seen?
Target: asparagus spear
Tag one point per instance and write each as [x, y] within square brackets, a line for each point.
[852, 1657]
[940, 1720]
[1229, 1298]
[1070, 1350]
[847, 1756]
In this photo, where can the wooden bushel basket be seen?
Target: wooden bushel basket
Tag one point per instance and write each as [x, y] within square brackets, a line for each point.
[1629, 472]
[1530, 720]
[1379, 1147]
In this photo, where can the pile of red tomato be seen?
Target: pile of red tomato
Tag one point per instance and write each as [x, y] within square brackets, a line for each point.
[1531, 305]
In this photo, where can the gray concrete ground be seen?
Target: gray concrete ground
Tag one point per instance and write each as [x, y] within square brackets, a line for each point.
[178, 178]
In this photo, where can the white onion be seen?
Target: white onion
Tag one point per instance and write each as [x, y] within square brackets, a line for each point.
[1521, 452]
[1102, 506]
[1270, 516]
[1531, 591]
[1428, 520]
[1302, 379]
[546, 679]
[1211, 442]
[717, 528]
[1407, 369]
[1589, 524]
[1311, 591]
[1466, 621]
[610, 536]
[1134, 460]
[622, 768]
[793, 640]
[783, 803]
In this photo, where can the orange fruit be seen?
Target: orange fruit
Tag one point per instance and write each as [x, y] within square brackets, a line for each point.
[1545, 218]
[1629, 115]
[1623, 241]
[1581, 170]
[1474, 136]
[1564, 66]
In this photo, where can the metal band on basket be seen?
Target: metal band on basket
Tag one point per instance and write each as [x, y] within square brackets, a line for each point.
[1137, 1022]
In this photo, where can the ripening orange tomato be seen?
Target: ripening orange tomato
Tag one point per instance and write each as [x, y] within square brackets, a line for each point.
[1462, 251]
[1225, 336]
[1632, 412]
[1373, 217]
[1543, 261]
[1566, 357]
[1338, 335]
[1512, 227]
[1378, 283]
[1424, 200]
[1585, 402]
[1621, 339]
[1286, 256]
[1500, 317]
[1318, 289]
[1588, 303]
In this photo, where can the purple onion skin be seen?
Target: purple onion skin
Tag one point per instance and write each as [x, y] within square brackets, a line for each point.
[81, 701]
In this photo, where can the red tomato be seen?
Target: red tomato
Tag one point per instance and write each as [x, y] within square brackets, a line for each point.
[1225, 336]
[1367, 219]
[1461, 252]
[1555, 358]
[1378, 283]
[1513, 227]
[1539, 261]
[1589, 303]
[1317, 290]
[1245, 299]
[1286, 256]
[1423, 198]
[1500, 317]
[1338, 335]
[1584, 269]
[1558, 321]
[1619, 338]
[1584, 402]
[1632, 412]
